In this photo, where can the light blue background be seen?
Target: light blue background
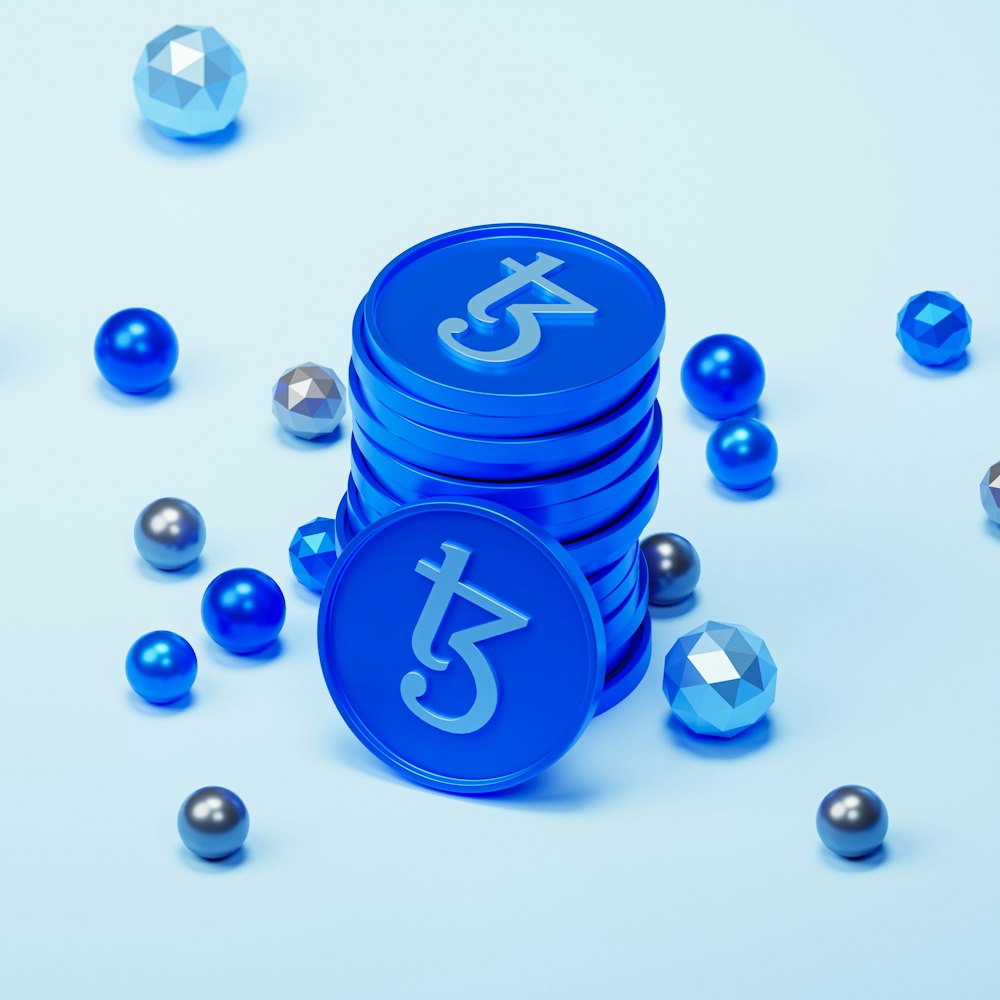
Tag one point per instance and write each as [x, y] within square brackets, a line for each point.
[791, 173]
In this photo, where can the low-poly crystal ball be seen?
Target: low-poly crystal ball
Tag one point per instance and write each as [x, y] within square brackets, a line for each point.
[989, 492]
[190, 82]
[852, 821]
[313, 552]
[719, 679]
[309, 401]
[934, 328]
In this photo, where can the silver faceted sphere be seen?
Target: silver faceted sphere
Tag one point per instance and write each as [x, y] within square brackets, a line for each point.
[309, 401]
[170, 533]
[674, 567]
[852, 821]
[213, 822]
[989, 492]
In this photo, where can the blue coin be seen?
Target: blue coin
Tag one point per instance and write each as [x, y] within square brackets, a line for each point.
[496, 457]
[625, 676]
[567, 519]
[642, 447]
[627, 617]
[461, 645]
[515, 319]
[608, 579]
[377, 384]
[516, 458]
[615, 597]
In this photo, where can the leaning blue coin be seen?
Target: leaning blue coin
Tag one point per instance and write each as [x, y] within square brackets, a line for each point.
[491, 662]
[515, 319]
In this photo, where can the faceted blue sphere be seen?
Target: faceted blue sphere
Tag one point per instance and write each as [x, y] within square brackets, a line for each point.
[852, 821]
[313, 552]
[742, 453]
[243, 610]
[719, 679]
[213, 822]
[161, 667]
[722, 376]
[934, 328]
[136, 350]
[190, 82]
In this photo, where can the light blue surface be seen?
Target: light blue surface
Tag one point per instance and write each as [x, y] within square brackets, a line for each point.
[790, 173]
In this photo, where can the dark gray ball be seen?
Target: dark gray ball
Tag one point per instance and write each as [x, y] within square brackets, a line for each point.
[213, 822]
[674, 567]
[852, 821]
[169, 533]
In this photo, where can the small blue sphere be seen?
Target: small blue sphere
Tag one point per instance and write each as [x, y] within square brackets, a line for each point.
[213, 822]
[313, 552]
[934, 328]
[136, 350]
[243, 610]
[742, 453]
[161, 667]
[722, 376]
[852, 821]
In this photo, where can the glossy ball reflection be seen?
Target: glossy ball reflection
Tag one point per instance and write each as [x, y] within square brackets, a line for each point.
[161, 667]
[136, 350]
[852, 821]
[169, 533]
[213, 822]
[742, 453]
[722, 376]
[243, 610]
[674, 567]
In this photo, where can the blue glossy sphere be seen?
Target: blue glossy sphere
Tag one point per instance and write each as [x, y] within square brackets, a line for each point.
[136, 350]
[161, 667]
[722, 376]
[243, 610]
[213, 822]
[852, 821]
[742, 453]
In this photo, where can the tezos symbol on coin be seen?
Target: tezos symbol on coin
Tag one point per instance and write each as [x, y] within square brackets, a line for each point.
[447, 583]
[523, 315]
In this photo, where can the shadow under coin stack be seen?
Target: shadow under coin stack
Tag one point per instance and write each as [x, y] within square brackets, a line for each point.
[519, 364]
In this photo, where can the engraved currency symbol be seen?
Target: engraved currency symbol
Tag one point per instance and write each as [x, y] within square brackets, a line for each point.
[560, 304]
[447, 583]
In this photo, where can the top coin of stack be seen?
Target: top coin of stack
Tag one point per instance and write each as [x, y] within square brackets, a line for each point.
[518, 364]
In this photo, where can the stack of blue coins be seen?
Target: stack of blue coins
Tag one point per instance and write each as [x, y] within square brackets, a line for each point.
[518, 364]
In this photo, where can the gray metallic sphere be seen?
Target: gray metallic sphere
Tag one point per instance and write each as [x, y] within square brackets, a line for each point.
[674, 567]
[213, 822]
[989, 492]
[852, 821]
[170, 533]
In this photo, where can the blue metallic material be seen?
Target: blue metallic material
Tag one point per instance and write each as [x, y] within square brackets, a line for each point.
[492, 457]
[742, 453]
[719, 679]
[190, 82]
[169, 533]
[213, 822]
[496, 659]
[624, 675]
[161, 667]
[852, 821]
[243, 610]
[313, 552]
[934, 328]
[515, 319]
[136, 350]
[722, 376]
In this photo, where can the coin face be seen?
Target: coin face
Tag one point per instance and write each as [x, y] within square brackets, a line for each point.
[495, 658]
[515, 319]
